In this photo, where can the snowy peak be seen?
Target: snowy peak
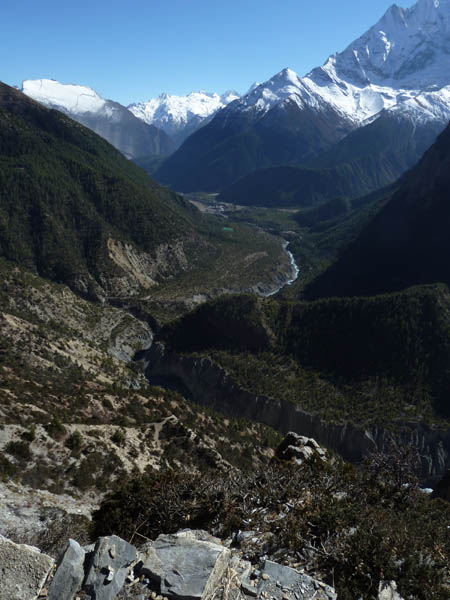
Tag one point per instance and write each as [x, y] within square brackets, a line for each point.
[407, 48]
[426, 107]
[405, 54]
[283, 86]
[173, 113]
[75, 99]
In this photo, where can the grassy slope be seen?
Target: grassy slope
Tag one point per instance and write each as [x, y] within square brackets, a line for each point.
[56, 367]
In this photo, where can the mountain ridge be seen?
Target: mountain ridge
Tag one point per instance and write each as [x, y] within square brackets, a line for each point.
[375, 74]
[109, 119]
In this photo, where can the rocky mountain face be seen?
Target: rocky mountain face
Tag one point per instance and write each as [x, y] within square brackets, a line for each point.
[395, 76]
[109, 119]
[211, 385]
[181, 116]
[221, 350]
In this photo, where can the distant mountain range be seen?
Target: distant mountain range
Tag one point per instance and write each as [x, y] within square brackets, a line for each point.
[348, 127]
[146, 129]
[392, 86]
[180, 116]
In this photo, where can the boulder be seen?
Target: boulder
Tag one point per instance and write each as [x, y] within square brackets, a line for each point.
[299, 448]
[23, 571]
[187, 566]
[283, 583]
[108, 567]
[69, 573]
[387, 590]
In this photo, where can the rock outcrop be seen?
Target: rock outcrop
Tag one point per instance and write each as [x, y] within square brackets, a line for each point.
[111, 563]
[283, 583]
[69, 574]
[387, 590]
[188, 565]
[298, 448]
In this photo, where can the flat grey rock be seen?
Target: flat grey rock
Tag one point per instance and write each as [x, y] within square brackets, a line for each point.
[69, 573]
[23, 571]
[186, 566]
[109, 566]
[279, 582]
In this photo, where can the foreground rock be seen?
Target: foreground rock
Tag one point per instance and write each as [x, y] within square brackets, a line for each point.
[69, 574]
[283, 583]
[110, 564]
[189, 565]
[23, 571]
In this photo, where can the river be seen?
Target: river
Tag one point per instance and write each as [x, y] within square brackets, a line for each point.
[295, 271]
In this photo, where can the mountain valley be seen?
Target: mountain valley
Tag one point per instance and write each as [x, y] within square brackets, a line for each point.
[225, 325]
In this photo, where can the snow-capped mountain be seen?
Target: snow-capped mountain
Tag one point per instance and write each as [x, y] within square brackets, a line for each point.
[405, 53]
[180, 116]
[401, 64]
[109, 119]
[73, 99]
[274, 124]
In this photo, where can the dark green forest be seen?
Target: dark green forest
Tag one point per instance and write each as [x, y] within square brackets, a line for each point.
[359, 359]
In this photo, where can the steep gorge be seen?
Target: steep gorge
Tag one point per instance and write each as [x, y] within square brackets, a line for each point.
[210, 385]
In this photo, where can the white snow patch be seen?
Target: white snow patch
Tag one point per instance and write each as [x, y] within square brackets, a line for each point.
[76, 99]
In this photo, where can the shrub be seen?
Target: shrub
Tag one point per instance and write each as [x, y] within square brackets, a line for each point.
[30, 434]
[357, 526]
[7, 468]
[20, 450]
[118, 437]
[55, 428]
[74, 441]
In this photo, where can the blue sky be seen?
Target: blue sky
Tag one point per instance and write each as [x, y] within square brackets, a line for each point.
[133, 50]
